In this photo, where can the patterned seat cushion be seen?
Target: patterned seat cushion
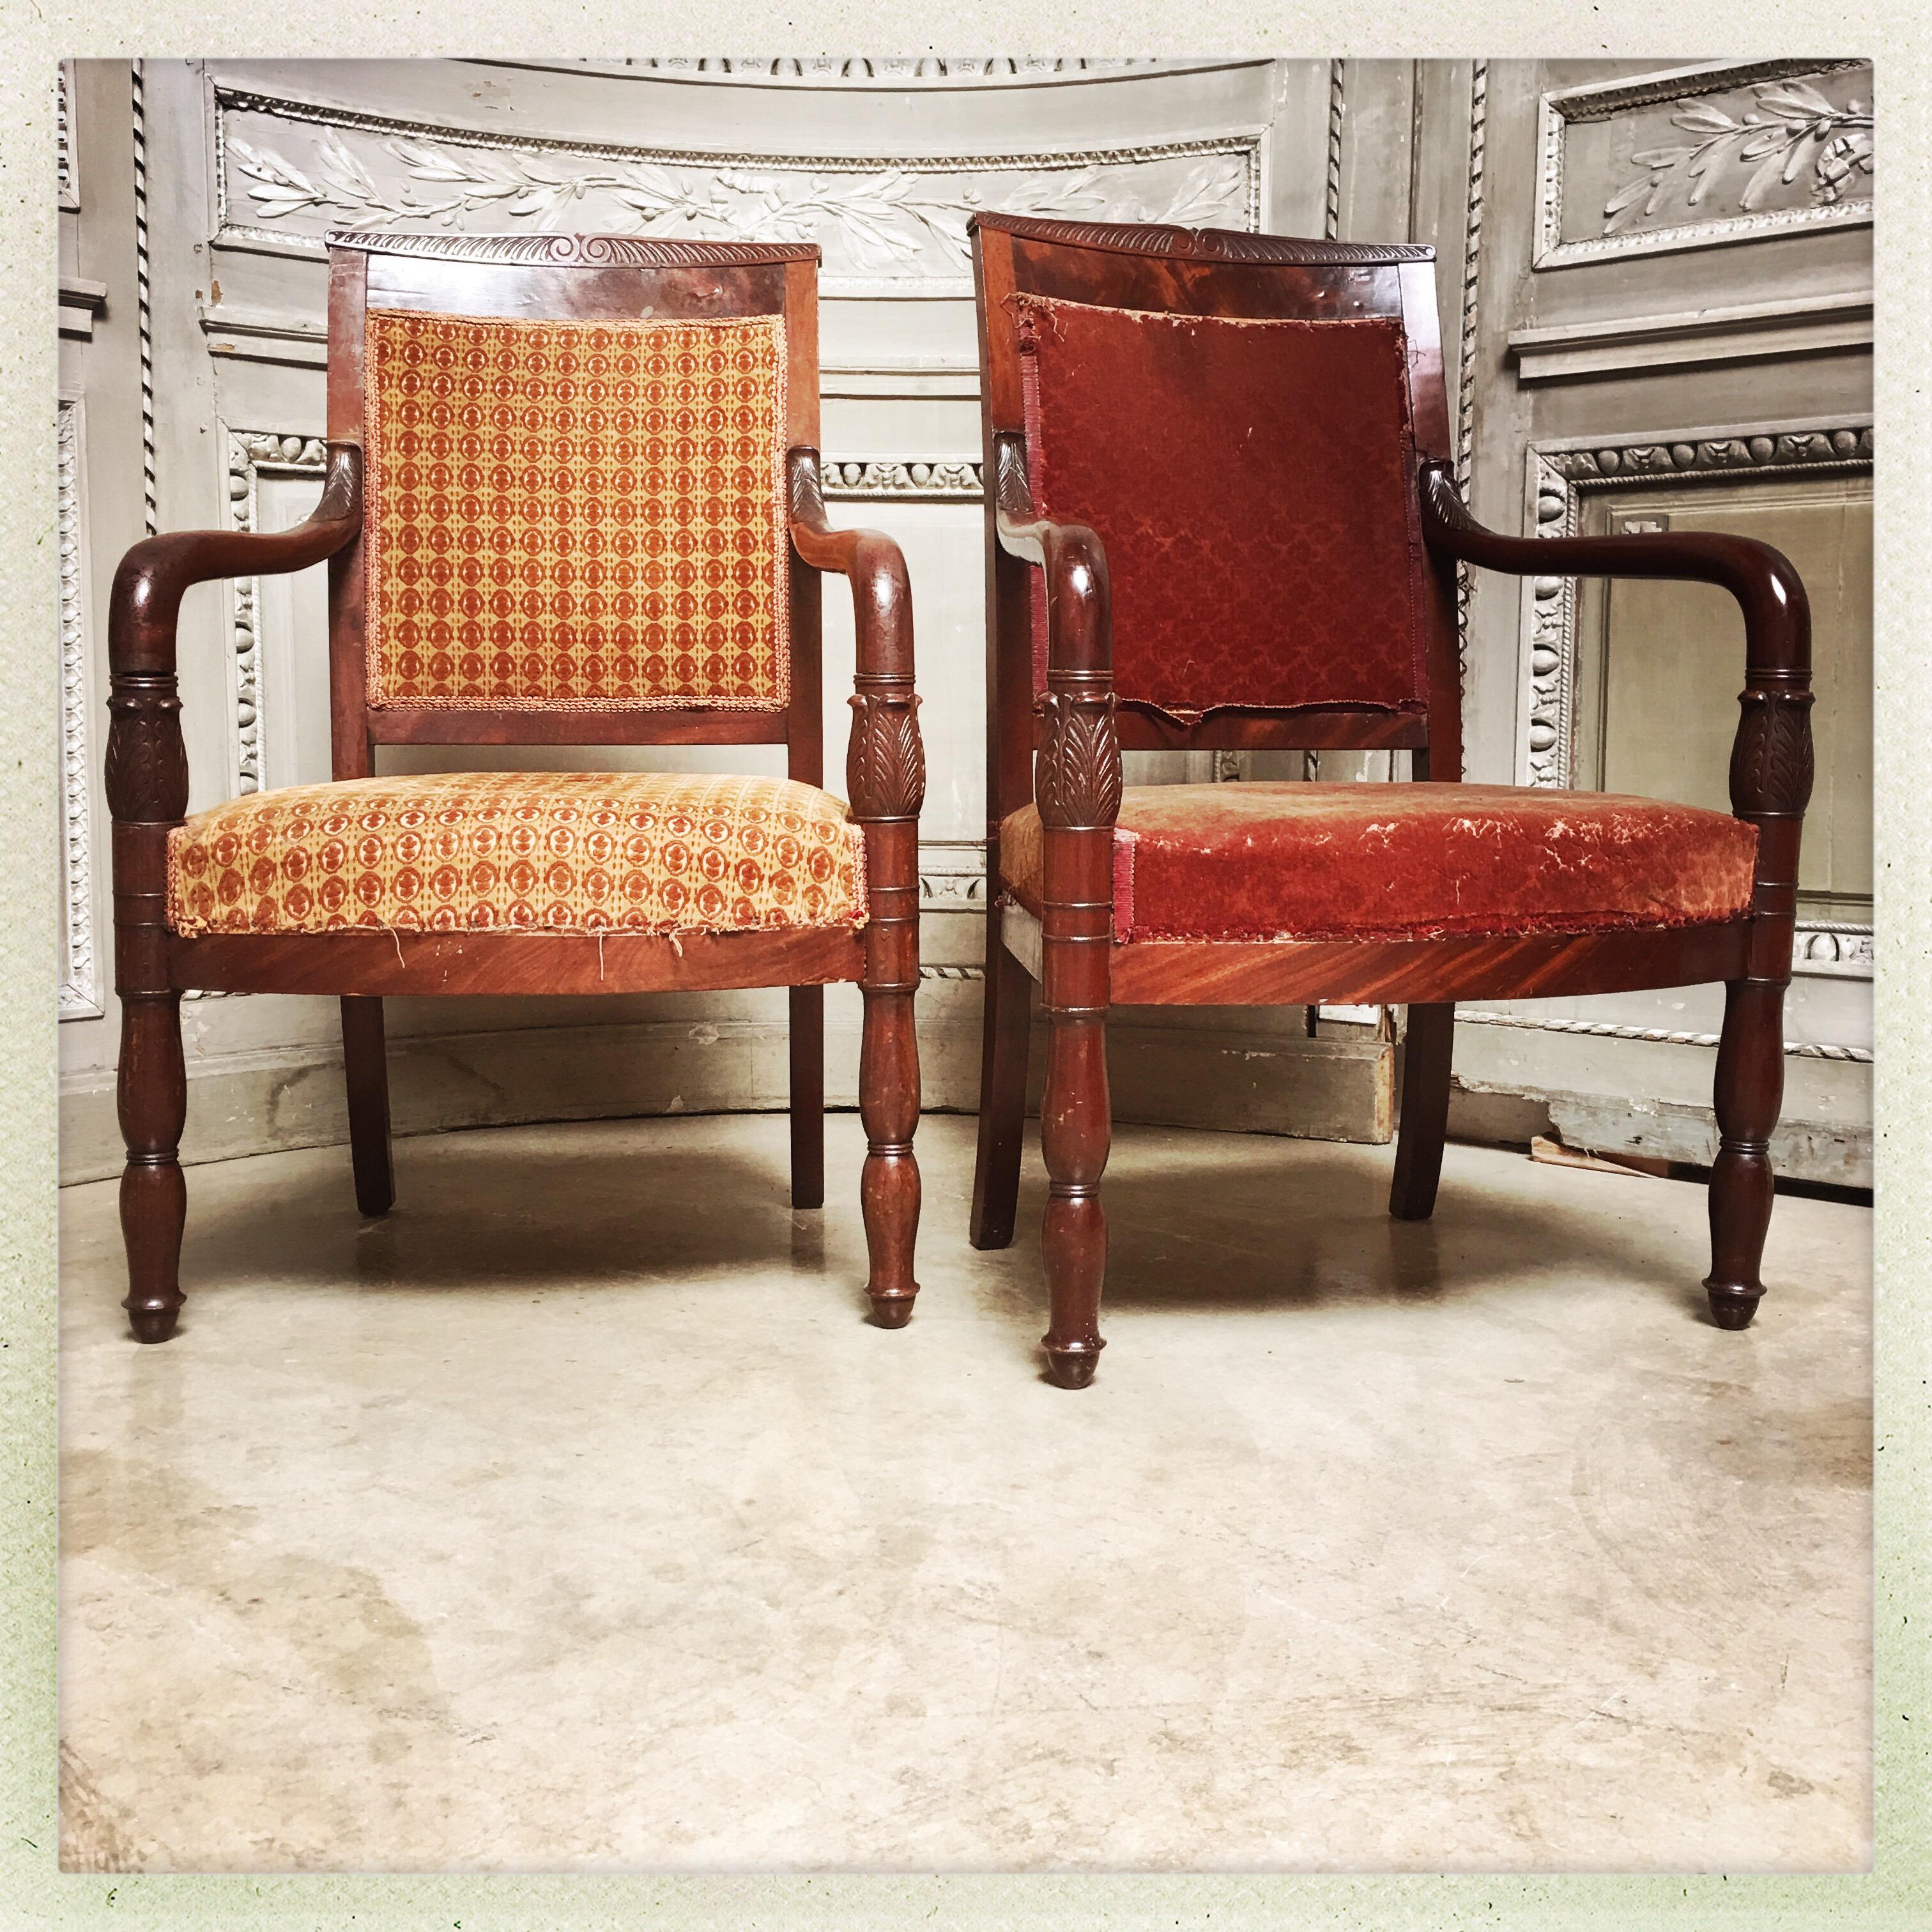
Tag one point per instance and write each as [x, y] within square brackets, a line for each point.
[1402, 862]
[508, 851]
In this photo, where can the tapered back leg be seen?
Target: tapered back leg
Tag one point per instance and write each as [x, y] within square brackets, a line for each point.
[1007, 1024]
[366, 1065]
[807, 1096]
[1426, 1058]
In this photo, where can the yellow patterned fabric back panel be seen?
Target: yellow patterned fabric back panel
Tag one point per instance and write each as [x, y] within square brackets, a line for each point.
[569, 515]
[531, 851]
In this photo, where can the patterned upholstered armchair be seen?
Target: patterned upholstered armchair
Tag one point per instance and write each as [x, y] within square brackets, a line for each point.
[572, 498]
[1222, 516]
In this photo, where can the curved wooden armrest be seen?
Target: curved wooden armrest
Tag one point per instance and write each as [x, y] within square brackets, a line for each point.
[869, 560]
[1079, 615]
[147, 762]
[155, 574]
[1777, 616]
[885, 760]
[1771, 755]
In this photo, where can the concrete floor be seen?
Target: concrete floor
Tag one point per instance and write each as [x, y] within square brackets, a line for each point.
[574, 1519]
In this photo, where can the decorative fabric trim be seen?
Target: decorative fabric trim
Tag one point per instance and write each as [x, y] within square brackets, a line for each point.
[644, 852]
[569, 515]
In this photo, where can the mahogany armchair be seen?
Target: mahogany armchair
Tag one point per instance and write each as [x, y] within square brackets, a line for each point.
[572, 498]
[1220, 513]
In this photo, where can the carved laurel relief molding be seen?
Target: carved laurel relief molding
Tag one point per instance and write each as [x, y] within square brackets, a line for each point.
[79, 987]
[1792, 150]
[288, 170]
[1559, 475]
[251, 455]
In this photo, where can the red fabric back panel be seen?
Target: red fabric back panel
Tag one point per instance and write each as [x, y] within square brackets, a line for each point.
[1252, 482]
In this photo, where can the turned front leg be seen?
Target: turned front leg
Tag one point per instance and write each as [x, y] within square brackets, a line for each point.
[147, 793]
[1749, 1089]
[886, 771]
[1075, 1133]
[1077, 783]
[1770, 784]
[152, 1092]
[889, 1188]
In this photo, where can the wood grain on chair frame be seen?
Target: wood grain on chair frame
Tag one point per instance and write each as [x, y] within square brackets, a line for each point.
[525, 278]
[1057, 747]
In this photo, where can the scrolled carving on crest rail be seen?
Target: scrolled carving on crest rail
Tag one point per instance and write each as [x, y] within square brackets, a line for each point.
[1077, 777]
[1772, 760]
[584, 251]
[885, 760]
[1206, 244]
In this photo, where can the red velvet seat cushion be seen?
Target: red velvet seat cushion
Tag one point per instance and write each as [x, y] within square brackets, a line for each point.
[1241, 861]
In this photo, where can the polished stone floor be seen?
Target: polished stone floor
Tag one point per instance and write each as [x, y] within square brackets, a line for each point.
[574, 1519]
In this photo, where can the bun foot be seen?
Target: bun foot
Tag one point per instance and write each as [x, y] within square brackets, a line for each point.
[1072, 1368]
[153, 1325]
[1733, 1307]
[892, 1311]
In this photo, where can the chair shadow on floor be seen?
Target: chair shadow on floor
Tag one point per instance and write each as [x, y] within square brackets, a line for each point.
[478, 1212]
[1283, 1223]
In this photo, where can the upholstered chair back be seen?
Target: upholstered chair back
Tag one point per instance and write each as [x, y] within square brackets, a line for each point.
[1239, 419]
[573, 491]
[564, 513]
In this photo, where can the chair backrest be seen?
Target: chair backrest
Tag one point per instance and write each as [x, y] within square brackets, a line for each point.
[1240, 419]
[574, 492]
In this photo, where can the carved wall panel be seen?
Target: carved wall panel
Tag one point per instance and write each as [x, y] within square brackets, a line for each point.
[1560, 481]
[1673, 295]
[1558, 476]
[287, 171]
[1720, 152]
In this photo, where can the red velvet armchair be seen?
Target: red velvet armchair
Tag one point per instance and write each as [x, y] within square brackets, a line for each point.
[572, 498]
[1220, 513]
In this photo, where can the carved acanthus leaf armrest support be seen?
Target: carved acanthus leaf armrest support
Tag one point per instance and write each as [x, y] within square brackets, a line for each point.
[1077, 779]
[147, 766]
[885, 760]
[1772, 758]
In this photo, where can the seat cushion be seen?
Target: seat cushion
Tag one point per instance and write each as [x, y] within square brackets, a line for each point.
[495, 851]
[1243, 861]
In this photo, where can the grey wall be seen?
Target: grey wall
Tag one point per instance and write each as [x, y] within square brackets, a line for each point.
[193, 356]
